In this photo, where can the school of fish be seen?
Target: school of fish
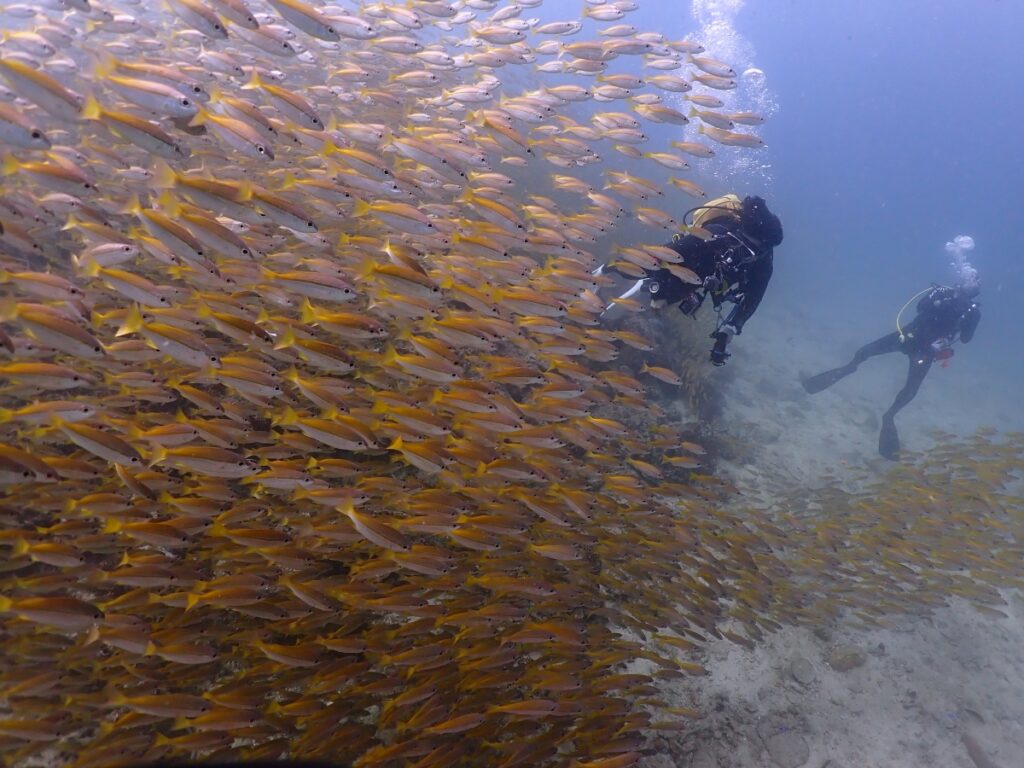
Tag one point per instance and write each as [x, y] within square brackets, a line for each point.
[312, 442]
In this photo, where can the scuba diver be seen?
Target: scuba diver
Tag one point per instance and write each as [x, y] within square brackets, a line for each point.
[944, 314]
[727, 255]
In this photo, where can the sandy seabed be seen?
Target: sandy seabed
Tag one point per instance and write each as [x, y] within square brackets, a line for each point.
[946, 691]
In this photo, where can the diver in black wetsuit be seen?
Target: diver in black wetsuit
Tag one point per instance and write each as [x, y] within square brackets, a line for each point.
[732, 262]
[943, 315]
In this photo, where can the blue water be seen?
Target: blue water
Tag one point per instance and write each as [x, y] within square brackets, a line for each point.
[897, 129]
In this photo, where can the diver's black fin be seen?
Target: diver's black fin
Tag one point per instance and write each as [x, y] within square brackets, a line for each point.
[825, 380]
[889, 441]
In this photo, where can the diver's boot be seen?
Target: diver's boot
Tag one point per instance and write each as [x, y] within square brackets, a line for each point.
[889, 439]
[815, 384]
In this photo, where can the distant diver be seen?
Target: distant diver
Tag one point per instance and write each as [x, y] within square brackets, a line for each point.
[727, 254]
[944, 314]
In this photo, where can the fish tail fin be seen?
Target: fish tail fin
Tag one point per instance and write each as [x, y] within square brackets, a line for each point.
[329, 148]
[254, 81]
[366, 269]
[286, 340]
[92, 635]
[245, 191]
[90, 268]
[362, 208]
[132, 321]
[287, 418]
[114, 696]
[164, 177]
[169, 204]
[104, 65]
[91, 109]
[133, 206]
[158, 454]
[8, 308]
[308, 312]
[200, 118]
[20, 547]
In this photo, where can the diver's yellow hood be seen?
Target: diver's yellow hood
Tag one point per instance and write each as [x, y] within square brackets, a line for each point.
[726, 205]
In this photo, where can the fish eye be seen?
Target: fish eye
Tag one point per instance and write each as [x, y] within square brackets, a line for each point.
[310, 224]
[37, 134]
[186, 103]
[262, 150]
[196, 89]
[331, 30]
[218, 27]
